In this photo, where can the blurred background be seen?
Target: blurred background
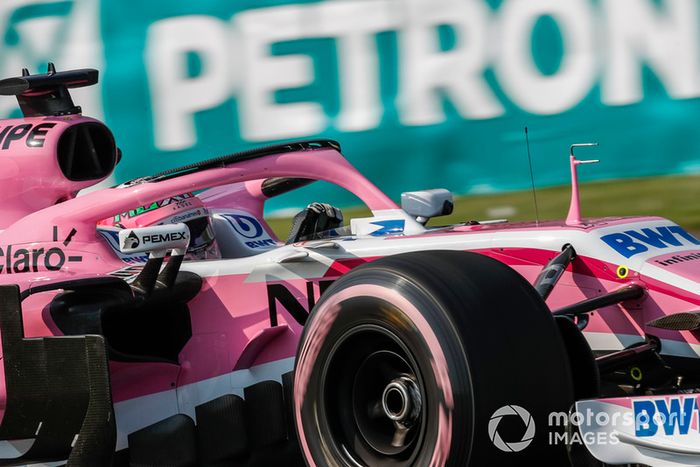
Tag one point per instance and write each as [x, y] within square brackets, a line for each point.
[420, 93]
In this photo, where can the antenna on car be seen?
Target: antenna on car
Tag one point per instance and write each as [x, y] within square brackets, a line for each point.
[574, 215]
[532, 179]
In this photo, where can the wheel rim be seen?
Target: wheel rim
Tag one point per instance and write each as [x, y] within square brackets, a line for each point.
[373, 398]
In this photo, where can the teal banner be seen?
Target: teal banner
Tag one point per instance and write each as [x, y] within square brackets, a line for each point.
[420, 93]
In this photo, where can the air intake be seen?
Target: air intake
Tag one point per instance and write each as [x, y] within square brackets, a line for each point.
[86, 151]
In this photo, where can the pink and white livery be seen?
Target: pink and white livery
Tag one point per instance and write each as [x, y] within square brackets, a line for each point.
[377, 342]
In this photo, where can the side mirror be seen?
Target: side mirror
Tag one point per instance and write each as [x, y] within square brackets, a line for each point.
[157, 240]
[427, 203]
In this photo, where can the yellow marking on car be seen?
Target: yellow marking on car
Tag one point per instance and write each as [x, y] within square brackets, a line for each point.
[622, 271]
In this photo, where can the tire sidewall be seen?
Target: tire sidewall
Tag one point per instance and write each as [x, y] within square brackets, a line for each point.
[426, 332]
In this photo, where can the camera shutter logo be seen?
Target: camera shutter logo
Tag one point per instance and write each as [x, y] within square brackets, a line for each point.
[507, 411]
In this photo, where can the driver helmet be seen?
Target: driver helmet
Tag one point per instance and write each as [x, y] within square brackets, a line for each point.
[185, 208]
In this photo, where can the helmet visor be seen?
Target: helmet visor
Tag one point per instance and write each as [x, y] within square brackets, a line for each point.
[201, 234]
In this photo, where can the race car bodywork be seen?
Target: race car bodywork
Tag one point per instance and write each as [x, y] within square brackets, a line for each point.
[104, 350]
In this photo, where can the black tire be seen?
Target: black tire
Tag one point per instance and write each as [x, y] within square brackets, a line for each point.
[472, 337]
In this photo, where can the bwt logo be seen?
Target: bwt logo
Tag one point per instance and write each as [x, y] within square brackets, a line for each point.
[673, 415]
[251, 229]
[246, 226]
[632, 242]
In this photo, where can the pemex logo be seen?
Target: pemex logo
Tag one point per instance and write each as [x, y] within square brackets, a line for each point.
[511, 411]
[131, 241]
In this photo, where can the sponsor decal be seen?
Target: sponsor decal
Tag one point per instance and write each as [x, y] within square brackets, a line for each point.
[188, 215]
[160, 238]
[665, 416]
[157, 237]
[15, 259]
[633, 242]
[672, 416]
[669, 416]
[179, 202]
[112, 237]
[675, 259]
[286, 296]
[254, 234]
[33, 135]
[131, 241]
[261, 243]
[392, 226]
[245, 226]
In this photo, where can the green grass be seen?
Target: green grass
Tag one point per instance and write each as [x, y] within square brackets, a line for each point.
[674, 197]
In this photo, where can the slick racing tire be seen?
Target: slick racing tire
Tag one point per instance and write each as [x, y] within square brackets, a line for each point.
[429, 359]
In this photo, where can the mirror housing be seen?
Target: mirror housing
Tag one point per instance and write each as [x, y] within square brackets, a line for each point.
[157, 240]
[427, 203]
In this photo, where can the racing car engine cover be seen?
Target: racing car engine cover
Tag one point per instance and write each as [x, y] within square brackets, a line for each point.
[46, 160]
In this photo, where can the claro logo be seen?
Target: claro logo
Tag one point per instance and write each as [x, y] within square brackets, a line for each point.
[16, 260]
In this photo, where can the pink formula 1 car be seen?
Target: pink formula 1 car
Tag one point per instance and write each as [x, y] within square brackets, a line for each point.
[162, 323]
